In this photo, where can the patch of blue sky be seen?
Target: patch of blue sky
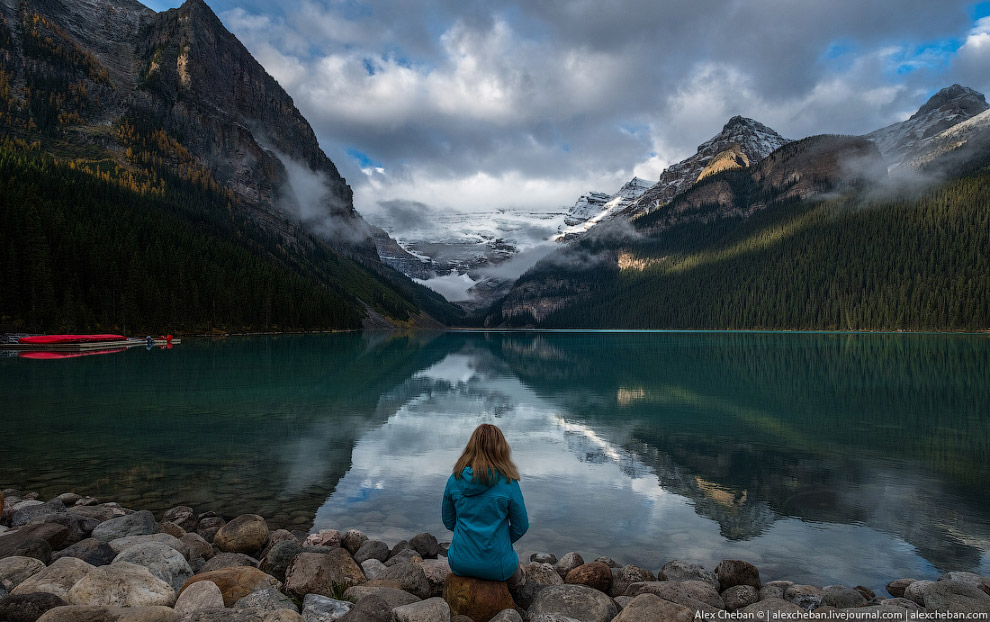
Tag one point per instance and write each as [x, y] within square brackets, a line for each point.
[363, 159]
[979, 10]
[839, 55]
[935, 56]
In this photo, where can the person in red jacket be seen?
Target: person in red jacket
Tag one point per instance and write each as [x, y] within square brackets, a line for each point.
[484, 507]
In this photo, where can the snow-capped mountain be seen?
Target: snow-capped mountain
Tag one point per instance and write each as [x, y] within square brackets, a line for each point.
[962, 139]
[755, 140]
[906, 140]
[586, 207]
[593, 207]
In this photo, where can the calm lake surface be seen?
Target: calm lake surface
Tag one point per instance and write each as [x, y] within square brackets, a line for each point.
[822, 458]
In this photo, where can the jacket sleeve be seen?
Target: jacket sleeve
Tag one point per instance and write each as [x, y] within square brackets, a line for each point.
[447, 512]
[518, 519]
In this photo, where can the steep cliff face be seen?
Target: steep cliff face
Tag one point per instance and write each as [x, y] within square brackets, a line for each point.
[155, 102]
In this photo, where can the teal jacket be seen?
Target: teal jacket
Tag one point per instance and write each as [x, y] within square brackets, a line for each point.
[486, 520]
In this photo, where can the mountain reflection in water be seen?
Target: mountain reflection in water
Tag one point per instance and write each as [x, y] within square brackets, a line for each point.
[826, 458]
[830, 458]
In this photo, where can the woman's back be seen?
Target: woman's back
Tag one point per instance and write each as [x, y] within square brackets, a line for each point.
[486, 519]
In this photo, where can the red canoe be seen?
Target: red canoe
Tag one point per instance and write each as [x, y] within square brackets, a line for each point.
[50, 339]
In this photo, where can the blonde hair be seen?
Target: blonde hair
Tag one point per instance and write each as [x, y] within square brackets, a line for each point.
[488, 454]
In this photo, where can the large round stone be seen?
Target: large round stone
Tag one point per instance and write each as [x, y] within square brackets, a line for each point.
[576, 601]
[163, 561]
[732, 572]
[429, 610]
[624, 576]
[567, 563]
[247, 534]
[426, 545]
[229, 560]
[392, 595]
[896, 588]
[410, 578]
[352, 540]
[372, 609]
[436, 571]
[36, 512]
[91, 613]
[318, 608]
[697, 595]
[596, 575]
[235, 583]
[956, 597]
[679, 570]
[476, 598]
[56, 579]
[137, 524]
[14, 570]
[183, 516]
[122, 585]
[90, 550]
[651, 608]
[280, 556]
[199, 595]
[739, 596]
[322, 573]
[372, 549]
[266, 600]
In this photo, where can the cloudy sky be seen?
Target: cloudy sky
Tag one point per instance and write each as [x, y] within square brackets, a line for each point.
[471, 104]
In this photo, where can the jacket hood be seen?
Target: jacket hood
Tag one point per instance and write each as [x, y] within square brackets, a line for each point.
[469, 487]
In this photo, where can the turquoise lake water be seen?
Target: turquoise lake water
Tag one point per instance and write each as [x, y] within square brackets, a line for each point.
[821, 458]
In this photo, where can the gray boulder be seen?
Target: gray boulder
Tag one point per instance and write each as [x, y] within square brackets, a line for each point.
[624, 576]
[121, 584]
[732, 572]
[183, 516]
[739, 596]
[352, 540]
[567, 563]
[697, 595]
[318, 608]
[14, 570]
[371, 609]
[229, 560]
[372, 549]
[90, 550]
[198, 596]
[916, 591]
[426, 545]
[56, 579]
[137, 524]
[576, 601]
[543, 558]
[280, 556]
[956, 597]
[79, 526]
[31, 511]
[268, 599]
[679, 570]
[807, 597]
[651, 608]
[163, 561]
[373, 568]
[507, 615]
[842, 597]
[393, 596]
[429, 610]
[410, 577]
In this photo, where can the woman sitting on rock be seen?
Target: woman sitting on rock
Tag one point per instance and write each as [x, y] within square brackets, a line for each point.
[483, 506]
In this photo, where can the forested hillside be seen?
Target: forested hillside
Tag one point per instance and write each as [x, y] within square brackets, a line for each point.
[87, 249]
[860, 261]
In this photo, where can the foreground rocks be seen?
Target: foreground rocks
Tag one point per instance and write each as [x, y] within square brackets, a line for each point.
[72, 559]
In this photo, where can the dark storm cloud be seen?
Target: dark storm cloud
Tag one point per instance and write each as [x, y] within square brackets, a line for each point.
[532, 102]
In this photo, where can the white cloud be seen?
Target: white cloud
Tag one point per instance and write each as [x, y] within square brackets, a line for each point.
[470, 105]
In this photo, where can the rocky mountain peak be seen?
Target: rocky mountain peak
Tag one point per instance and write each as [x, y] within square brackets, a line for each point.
[905, 140]
[748, 138]
[954, 99]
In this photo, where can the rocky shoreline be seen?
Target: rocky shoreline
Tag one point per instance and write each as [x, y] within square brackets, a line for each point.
[75, 559]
